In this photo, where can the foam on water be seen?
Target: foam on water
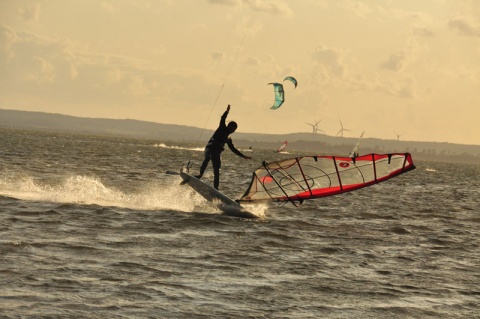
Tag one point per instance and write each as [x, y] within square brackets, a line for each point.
[91, 191]
[80, 189]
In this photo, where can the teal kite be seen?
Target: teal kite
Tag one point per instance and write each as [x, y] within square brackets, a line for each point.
[279, 95]
[291, 78]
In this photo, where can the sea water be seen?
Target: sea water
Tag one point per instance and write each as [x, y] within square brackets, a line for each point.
[92, 227]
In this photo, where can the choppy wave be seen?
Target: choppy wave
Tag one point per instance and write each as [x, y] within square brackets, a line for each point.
[93, 228]
[173, 147]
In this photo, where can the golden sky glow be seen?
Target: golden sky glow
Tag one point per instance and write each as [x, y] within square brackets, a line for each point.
[386, 67]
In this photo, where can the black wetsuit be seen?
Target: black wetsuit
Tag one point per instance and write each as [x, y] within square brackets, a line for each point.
[214, 149]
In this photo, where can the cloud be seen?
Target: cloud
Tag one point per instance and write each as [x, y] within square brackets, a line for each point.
[331, 59]
[423, 32]
[396, 62]
[226, 2]
[199, 27]
[8, 37]
[403, 87]
[55, 72]
[332, 67]
[252, 60]
[109, 7]
[358, 8]
[30, 12]
[269, 6]
[463, 26]
[218, 56]
[33, 58]
[399, 60]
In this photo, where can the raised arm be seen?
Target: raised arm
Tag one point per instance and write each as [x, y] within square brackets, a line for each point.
[224, 116]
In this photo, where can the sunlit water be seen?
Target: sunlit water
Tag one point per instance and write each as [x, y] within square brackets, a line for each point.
[91, 227]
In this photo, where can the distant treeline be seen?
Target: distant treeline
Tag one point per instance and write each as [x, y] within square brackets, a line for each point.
[303, 142]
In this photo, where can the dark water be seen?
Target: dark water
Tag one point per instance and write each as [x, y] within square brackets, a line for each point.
[91, 227]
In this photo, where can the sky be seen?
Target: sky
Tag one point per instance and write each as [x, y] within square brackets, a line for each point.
[405, 69]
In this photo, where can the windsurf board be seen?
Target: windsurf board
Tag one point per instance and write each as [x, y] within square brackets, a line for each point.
[227, 205]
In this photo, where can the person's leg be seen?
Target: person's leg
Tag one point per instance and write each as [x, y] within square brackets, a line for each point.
[205, 162]
[216, 163]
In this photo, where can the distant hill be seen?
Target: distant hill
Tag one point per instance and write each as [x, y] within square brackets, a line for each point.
[305, 142]
[59, 122]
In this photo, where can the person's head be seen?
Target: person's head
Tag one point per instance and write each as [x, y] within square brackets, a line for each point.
[232, 126]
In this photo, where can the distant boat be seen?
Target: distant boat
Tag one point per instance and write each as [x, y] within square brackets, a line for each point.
[282, 147]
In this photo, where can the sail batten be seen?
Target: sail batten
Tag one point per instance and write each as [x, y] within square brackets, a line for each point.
[308, 177]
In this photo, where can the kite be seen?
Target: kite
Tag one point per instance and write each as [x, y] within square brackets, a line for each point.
[291, 78]
[279, 95]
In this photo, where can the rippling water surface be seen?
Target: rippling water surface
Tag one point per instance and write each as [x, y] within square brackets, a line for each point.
[91, 227]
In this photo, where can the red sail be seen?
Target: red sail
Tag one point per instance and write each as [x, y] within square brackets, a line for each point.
[308, 177]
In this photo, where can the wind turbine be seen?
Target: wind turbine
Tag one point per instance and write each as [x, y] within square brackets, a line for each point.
[342, 129]
[315, 128]
[398, 136]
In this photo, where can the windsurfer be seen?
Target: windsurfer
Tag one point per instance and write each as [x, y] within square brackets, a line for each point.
[215, 147]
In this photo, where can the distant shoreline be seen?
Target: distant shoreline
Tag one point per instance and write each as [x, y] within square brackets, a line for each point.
[303, 142]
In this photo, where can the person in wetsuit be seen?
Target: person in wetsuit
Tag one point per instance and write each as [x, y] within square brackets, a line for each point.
[215, 147]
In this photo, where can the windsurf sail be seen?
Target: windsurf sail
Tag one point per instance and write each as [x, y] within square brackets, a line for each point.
[282, 147]
[308, 177]
[354, 152]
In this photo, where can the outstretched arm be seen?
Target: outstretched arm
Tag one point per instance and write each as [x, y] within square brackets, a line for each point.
[224, 116]
[235, 150]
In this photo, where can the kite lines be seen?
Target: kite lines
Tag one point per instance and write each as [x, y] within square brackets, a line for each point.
[225, 80]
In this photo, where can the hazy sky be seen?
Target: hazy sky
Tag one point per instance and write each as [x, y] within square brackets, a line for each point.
[387, 67]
